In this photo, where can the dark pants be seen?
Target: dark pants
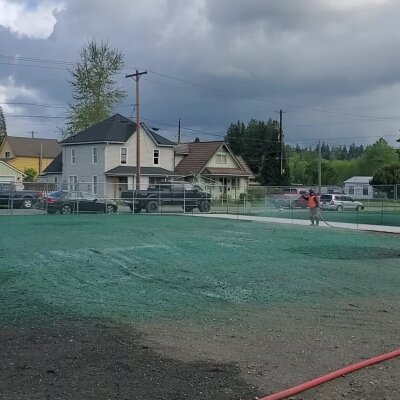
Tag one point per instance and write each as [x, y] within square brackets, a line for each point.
[314, 215]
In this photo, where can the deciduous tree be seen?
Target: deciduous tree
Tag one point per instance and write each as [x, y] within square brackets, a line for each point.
[95, 92]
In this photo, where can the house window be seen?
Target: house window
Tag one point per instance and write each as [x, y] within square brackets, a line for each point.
[235, 183]
[156, 157]
[221, 158]
[7, 154]
[55, 179]
[94, 180]
[73, 156]
[365, 191]
[351, 189]
[94, 155]
[124, 155]
[73, 182]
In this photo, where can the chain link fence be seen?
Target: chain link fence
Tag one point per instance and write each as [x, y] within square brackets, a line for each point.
[377, 205]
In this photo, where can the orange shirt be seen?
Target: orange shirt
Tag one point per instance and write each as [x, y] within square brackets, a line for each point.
[312, 201]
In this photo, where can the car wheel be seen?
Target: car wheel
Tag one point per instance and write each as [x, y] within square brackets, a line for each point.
[27, 203]
[110, 209]
[66, 209]
[152, 206]
[204, 206]
[339, 208]
[359, 208]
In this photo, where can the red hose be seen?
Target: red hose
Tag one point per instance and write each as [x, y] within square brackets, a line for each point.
[343, 371]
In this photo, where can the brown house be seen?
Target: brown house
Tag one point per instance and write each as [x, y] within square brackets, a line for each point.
[213, 164]
[22, 152]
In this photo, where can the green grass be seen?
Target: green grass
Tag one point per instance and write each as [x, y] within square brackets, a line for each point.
[142, 267]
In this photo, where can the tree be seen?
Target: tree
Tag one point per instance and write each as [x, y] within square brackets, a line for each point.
[95, 92]
[376, 155]
[3, 127]
[31, 175]
[387, 179]
[258, 144]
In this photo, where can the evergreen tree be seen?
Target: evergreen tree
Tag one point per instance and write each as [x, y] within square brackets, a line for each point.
[95, 93]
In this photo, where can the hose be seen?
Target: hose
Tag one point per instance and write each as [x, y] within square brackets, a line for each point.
[325, 378]
[321, 217]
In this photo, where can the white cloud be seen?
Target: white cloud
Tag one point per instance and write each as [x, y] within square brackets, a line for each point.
[24, 20]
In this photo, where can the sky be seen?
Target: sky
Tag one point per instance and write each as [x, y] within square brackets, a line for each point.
[332, 66]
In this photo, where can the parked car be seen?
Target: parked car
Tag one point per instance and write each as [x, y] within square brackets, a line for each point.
[289, 197]
[339, 202]
[13, 198]
[67, 202]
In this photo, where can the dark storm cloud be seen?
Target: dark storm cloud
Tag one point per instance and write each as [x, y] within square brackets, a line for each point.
[242, 59]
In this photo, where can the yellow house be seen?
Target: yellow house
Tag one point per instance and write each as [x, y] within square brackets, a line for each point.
[22, 152]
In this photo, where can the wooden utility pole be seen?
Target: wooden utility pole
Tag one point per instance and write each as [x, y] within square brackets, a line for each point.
[179, 130]
[319, 167]
[136, 77]
[281, 142]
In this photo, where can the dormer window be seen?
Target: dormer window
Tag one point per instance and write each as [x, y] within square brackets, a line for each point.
[221, 158]
[124, 155]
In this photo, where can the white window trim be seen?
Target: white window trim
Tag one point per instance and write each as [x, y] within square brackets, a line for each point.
[73, 156]
[95, 183]
[218, 158]
[95, 154]
[7, 154]
[120, 156]
[154, 156]
[73, 183]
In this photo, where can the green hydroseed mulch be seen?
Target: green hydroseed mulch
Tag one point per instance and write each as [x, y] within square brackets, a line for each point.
[353, 217]
[143, 266]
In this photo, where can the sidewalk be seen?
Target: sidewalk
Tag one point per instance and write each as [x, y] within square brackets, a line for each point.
[341, 225]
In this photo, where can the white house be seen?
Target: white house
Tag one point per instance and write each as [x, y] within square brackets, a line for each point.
[102, 160]
[359, 187]
[10, 174]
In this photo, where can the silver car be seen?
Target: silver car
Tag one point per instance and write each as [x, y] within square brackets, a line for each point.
[339, 202]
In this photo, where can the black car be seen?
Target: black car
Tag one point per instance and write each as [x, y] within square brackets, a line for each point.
[67, 202]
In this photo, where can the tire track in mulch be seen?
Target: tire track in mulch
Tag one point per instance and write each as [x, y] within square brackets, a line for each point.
[92, 360]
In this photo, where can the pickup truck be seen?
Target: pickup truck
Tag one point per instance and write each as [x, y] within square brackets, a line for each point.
[17, 198]
[189, 196]
[289, 197]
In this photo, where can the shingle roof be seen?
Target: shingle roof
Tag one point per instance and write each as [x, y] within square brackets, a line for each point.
[244, 165]
[55, 167]
[114, 129]
[225, 171]
[33, 147]
[150, 171]
[198, 157]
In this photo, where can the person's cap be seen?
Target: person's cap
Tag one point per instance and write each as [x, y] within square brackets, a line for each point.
[312, 191]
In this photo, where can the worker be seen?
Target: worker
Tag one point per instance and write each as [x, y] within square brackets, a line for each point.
[313, 205]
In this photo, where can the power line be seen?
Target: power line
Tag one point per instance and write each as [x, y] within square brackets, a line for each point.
[229, 93]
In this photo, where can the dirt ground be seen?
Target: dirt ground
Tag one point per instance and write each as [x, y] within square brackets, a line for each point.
[257, 352]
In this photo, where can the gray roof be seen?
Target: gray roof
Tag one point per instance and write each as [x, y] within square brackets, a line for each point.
[33, 147]
[116, 129]
[55, 167]
[359, 179]
[145, 171]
